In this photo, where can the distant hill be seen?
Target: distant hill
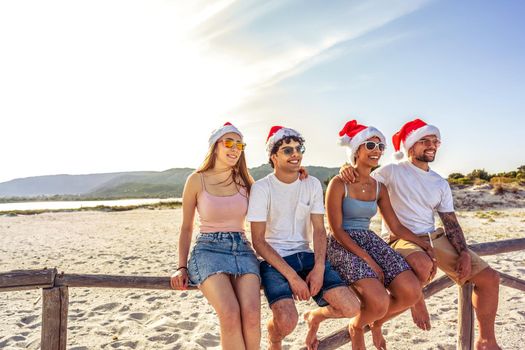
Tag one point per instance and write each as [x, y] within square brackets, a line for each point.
[56, 184]
[139, 184]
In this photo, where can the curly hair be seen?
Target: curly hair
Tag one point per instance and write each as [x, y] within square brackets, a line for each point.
[279, 143]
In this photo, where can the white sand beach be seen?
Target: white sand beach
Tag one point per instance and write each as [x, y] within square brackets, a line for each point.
[144, 242]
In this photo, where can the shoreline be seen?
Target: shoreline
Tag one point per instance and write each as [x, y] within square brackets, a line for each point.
[103, 208]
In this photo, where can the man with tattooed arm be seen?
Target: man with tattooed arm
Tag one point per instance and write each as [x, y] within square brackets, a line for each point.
[416, 192]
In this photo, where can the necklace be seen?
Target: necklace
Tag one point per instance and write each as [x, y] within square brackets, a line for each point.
[364, 186]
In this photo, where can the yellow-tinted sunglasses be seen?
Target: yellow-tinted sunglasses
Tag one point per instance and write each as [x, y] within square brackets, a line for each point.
[229, 143]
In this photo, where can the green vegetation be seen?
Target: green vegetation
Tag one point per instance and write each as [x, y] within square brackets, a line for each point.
[500, 181]
[104, 208]
[490, 215]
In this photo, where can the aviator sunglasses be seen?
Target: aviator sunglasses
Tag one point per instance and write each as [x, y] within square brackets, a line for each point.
[427, 142]
[229, 143]
[371, 145]
[288, 150]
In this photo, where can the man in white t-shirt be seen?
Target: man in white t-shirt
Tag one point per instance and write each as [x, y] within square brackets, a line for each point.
[416, 193]
[286, 215]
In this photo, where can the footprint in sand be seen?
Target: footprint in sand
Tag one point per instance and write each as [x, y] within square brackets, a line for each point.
[187, 325]
[29, 319]
[208, 340]
[122, 344]
[130, 258]
[33, 326]
[165, 338]
[106, 307]
[155, 298]
[138, 315]
[418, 340]
[11, 340]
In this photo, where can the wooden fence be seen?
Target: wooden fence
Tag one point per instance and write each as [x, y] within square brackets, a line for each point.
[55, 296]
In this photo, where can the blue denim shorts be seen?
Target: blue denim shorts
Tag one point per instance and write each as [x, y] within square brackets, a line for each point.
[221, 252]
[276, 286]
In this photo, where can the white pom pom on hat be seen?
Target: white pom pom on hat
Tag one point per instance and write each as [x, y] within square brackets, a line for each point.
[223, 130]
[353, 135]
[409, 134]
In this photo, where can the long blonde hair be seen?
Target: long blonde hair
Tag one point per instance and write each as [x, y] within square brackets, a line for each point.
[239, 172]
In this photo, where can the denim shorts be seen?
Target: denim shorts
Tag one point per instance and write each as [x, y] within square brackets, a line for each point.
[276, 286]
[221, 252]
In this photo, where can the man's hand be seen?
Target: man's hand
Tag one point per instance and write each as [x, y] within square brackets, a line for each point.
[432, 255]
[464, 265]
[299, 288]
[303, 173]
[315, 279]
[348, 174]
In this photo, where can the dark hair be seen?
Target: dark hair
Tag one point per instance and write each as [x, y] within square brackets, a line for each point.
[279, 143]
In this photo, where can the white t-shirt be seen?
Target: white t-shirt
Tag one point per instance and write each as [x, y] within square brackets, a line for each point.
[415, 195]
[286, 209]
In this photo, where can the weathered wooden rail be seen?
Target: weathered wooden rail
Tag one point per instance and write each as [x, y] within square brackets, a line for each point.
[55, 296]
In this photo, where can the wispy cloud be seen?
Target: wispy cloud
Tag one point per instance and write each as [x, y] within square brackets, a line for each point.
[291, 44]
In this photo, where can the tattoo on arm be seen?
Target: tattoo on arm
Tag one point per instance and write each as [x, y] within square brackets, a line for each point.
[453, 231]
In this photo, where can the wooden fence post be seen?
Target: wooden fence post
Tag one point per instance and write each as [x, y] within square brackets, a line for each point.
[465, 318]
[54, 318]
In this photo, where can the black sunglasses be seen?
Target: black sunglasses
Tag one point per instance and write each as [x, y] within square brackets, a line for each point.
[288, 150]
[371, 145]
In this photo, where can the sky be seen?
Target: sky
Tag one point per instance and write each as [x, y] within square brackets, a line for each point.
[109, 86]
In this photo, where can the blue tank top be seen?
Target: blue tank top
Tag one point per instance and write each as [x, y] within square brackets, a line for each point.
[357, 213]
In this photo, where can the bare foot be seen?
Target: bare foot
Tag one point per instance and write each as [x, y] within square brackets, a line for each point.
[377, 337]
[420, 315]
[482, 344]
[358, 337]
[274, 345]
[313, 325]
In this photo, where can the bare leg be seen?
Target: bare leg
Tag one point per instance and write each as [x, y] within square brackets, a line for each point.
[219, 291]
[421, 265]
[374, 305]
[283, 322]
[247, 289]
[343, 303]
[485, 302]
[404, 292]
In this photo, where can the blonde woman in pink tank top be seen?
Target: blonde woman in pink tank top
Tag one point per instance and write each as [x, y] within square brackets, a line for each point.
[222, 262]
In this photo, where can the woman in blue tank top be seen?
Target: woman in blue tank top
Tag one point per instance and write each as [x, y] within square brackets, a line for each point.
[361, 257]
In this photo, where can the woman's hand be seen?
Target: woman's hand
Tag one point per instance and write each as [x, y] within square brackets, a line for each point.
[179, 280]
[376, 268]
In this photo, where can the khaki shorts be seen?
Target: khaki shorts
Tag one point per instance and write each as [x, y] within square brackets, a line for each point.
[446, 255]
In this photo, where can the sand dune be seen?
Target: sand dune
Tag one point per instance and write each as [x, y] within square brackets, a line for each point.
[144, 242]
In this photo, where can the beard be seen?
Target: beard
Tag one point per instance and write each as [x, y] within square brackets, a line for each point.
[424, 158]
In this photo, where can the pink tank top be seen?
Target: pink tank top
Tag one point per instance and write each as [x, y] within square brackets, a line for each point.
[221, 213]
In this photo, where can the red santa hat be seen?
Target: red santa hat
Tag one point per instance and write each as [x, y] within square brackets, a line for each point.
[409, 134]
[276, 134]
[223, 130]
[353, 135]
